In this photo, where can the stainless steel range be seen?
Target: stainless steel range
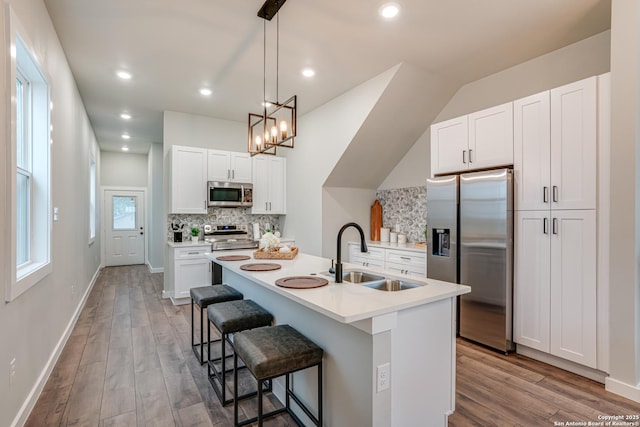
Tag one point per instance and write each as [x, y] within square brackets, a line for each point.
[225, 237]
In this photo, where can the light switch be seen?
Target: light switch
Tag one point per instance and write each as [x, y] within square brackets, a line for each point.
[55, 214]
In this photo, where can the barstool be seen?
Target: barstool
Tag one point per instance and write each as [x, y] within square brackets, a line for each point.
[231, 317]
[272, 352]
[203, 297]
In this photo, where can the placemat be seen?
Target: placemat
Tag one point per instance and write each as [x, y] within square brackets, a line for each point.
[260, 266]
[301, 282]
[233, 257]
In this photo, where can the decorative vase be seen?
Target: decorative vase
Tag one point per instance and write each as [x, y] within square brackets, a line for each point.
[194, 239]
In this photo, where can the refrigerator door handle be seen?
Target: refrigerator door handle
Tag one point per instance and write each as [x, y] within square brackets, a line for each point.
[555, 225]
[545, 194]
[545, 226]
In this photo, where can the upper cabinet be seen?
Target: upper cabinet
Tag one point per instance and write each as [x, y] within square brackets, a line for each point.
[188, 180]
[555, 148]
[229, 166]
[269, 185]
[476, 141]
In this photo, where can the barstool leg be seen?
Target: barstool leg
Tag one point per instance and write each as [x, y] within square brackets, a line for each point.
[320, 394]
[287, 403]
[260, 403]
[235, 389]
[223, 372]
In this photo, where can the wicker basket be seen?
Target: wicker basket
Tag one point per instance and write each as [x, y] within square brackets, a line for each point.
[261, 254]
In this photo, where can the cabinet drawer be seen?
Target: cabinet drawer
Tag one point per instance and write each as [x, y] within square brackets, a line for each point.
[367, 262]
[413, 270]
[195, 252]
[372, 253]
[406, 257]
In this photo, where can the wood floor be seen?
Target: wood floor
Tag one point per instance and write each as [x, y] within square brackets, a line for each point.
[129, 362]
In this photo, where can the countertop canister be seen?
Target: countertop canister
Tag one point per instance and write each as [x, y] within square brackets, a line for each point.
[384, 234]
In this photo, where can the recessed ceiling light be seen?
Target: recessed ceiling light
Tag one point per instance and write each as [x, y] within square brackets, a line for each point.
[124, 75]
[125, 148]
[308, 72]
[126, 136]
[205, 91]
[389, 10]
[125, 116]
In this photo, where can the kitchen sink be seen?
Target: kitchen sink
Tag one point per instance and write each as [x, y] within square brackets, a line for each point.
[391, 285]
[359, 276]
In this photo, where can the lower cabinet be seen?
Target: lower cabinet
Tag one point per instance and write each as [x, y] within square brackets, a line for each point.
[392, 259]
[555, 283]
[191, 269]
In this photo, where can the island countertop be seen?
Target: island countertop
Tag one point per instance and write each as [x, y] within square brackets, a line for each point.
[344, 302]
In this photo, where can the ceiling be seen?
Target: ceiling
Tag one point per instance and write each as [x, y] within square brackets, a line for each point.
[173, 48]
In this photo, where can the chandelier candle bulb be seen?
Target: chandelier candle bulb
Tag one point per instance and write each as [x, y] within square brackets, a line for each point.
[283, 129]
[274, 133]
[258, 141]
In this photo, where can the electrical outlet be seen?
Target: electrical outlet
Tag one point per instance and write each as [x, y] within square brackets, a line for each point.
[12, 371]
[384, 377]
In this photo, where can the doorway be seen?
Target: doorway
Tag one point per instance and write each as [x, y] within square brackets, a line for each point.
[124, 227]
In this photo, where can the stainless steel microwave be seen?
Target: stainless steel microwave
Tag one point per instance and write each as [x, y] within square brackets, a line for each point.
[230, 194]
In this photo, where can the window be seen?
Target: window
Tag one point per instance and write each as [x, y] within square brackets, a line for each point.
[92, 201]
[124, 213]
[31, 145]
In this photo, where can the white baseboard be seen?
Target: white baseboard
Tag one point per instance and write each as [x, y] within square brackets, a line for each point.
[558, 362]
[155, 269]
[34, 394]
[166, 294]
[623, 389]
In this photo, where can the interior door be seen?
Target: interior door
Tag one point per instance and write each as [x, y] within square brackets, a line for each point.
[124, 227]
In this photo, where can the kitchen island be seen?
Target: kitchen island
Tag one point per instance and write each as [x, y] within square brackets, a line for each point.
[389, 356]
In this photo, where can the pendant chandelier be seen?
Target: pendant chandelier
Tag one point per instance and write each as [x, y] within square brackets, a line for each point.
[276, 125]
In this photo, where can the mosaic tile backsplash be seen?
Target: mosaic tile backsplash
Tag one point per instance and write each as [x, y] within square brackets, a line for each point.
[406, 207]
[220, 216]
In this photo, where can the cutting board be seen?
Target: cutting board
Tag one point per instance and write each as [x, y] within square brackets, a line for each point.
[376, 220]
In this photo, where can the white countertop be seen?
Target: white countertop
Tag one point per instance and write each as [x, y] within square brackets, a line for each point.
[188, 244]
[411, 246]
[344, 302]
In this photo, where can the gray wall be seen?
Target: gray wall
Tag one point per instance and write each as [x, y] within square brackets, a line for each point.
[35, 324]
[155, 217]
[124, 169]
[625, 198]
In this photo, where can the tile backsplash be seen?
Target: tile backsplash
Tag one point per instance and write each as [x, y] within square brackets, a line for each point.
[220, 216]
[406, 207]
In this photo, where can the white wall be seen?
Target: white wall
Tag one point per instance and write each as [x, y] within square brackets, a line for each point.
[124, 169]
[583, 59]
[156, 235]
[323, 135]
[203, 132]
[625, 199]
[35, 323]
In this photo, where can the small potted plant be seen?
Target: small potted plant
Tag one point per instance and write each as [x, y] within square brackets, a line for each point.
[195, 231]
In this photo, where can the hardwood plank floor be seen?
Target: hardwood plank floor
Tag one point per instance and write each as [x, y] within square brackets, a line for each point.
[129, 362]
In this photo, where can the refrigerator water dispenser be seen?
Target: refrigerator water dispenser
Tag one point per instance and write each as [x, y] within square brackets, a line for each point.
[441, 242]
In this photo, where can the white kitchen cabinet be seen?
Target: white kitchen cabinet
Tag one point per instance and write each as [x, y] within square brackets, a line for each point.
[374, 257]
[406, 262]
[228, 166]
[555, 148]
[479, 140]
[188, 180]
[491, 137]
[191, 269]
[555, 283]
[269, 185]
[449, 142]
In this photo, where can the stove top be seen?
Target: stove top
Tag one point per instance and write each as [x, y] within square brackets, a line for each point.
[225, 237]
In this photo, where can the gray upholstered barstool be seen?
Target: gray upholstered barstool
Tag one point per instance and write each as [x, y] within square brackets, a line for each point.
[203, 297]
[228, 318]
[272, 352]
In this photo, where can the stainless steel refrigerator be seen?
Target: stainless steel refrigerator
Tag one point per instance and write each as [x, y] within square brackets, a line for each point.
[470, 241]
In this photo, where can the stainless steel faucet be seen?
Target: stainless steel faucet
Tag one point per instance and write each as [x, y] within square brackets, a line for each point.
[363, 248]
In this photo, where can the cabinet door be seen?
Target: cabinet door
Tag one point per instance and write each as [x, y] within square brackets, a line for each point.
[219, 165]
[240, 167]
[532, 152]
[449, 145]
[532, 275]
[573, 145]
[411, 270]
[573, 286]
[277, 185]
[260, 175]
[188, 180]
[189, 274]
[491, 137]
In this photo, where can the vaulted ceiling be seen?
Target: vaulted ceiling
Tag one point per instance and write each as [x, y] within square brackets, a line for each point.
[173, 48]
